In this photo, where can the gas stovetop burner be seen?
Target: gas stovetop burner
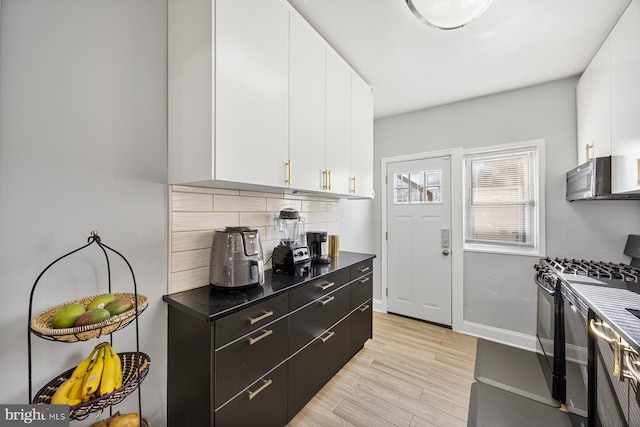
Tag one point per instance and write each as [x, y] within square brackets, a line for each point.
[595, 269]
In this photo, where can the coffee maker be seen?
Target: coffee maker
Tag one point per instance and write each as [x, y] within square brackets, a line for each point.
[291, 256]
[317, 241]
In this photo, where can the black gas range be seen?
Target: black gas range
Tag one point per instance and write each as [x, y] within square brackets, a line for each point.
[566, 350]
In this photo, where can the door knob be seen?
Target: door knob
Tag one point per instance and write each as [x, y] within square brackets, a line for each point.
[445, 252]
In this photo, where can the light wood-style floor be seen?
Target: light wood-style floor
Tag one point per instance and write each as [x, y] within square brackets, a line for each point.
[410, 374]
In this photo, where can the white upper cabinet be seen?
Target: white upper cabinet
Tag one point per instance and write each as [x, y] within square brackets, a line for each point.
[338, 131]
[593, 97]
[361, 137]
[252, 91]
[307, 109]
[258, 100]
[625, 101]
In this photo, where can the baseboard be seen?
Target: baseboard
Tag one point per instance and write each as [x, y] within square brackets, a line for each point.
[502, 336]
[377, 306]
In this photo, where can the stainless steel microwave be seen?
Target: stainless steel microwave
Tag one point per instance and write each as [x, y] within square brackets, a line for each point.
[592, 181]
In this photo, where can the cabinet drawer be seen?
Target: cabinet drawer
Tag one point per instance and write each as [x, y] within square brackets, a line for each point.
[243, 322]
[314, 319]
[361, 290]
[317, 288]
[360, 322]
[310, 369]
[264, 403]
[361, 268]
[240, 363]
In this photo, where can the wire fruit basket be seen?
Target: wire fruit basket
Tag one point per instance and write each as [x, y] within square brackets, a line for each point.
[42, 325]
[135, 365]
[130, 381]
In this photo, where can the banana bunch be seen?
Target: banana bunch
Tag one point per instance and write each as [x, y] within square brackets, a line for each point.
[93, 377]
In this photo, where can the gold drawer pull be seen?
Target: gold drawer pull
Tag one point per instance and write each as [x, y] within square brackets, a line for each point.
[363, 309]
[325, 339]
[328, 300]
[363, 280]
[265, 334]
[265, 384]
[264, 315]
[363, 269]
[326, 285]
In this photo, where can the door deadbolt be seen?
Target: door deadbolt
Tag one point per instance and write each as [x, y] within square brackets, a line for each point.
[445, 252]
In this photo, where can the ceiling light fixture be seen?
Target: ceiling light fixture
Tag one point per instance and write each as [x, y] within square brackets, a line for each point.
[447, 14]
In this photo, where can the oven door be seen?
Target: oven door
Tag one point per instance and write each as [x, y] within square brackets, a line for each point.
[576, 343]
[549, 331]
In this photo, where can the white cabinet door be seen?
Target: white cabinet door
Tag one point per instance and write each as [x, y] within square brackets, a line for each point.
[584, 111]
[338, 113]
[601, 99]
[361, 138]
[307, 110]
[251, 91]
[625, 101]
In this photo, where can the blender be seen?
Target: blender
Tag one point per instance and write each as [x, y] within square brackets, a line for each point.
[290, 256]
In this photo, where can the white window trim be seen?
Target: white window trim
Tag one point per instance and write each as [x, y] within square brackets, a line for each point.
[540, 249]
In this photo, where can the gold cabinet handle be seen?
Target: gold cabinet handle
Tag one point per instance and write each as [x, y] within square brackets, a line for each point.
[363, 280]
[328, 300]
[329, 173]
[326, 285]
[587, 149]
[264, 315]
[265, 334]
[363, 269]
[329, 335]
[364, 308]
[265, 384]
[288, 180]
[353, 181]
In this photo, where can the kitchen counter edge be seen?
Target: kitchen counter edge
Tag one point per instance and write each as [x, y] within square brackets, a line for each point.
[209, 304]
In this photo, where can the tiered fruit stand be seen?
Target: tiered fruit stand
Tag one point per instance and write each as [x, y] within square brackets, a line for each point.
[135, 365]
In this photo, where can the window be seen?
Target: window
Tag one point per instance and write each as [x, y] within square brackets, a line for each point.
[502, 200]
[417, 187]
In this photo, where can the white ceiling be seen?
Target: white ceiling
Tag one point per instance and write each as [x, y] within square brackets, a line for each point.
[516, 43]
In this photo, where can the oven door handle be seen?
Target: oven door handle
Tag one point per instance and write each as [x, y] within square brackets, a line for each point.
[595, 328]
[544, 287]
[631, 370]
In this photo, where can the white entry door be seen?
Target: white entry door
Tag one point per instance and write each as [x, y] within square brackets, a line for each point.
[419, 239]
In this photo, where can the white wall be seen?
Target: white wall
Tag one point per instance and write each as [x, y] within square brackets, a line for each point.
[82, 147]
[499, 292]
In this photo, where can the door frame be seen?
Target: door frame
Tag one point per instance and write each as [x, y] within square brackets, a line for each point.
[456, 239]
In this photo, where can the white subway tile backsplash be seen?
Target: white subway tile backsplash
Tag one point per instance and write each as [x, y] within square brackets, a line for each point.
[257, 219]
[197, 211]
[189, 260]
[190, 240]
[191, 221]
[192, 202]
[324, 217]
[223, 203]
[276, 205]
[189, 279]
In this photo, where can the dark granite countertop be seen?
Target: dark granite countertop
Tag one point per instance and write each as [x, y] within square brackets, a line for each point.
[610, 300]
[210, 304]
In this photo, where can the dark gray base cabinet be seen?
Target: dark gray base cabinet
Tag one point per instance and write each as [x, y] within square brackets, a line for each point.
[261, 365]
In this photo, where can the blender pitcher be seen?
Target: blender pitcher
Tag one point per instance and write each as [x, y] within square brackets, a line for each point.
[289, 223]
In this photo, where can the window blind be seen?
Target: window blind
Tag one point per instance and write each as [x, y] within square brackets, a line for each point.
[500, 198]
